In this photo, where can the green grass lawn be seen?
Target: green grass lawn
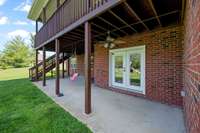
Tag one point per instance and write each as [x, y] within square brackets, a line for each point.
[25, 109]
[14, 73]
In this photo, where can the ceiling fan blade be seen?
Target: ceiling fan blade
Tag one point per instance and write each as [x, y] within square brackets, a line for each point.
[119, 42]
[106, 45]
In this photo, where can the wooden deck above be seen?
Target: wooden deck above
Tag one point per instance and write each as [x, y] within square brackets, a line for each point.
[121, 17]
[69, 14]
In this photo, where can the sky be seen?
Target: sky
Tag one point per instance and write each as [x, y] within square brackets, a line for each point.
[13, 20]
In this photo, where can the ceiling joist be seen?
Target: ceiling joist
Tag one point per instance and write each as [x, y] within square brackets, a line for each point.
[155, 12]
[135, 15]
[104, 29]
[114, 26]
[120, 19]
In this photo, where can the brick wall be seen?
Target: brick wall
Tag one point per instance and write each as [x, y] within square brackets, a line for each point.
[164, 51]
[191, 59]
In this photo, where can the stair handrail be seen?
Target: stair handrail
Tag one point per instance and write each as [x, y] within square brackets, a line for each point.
[39, 64]
[49, 63]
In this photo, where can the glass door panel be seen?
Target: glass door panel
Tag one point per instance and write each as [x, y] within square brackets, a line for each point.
[118, 69]
[135, 70]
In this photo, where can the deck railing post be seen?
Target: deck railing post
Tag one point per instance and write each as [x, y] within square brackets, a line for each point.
[87, 68]
[44, 66]
[88, 6]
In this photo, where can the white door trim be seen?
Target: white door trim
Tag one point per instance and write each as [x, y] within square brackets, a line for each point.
[137, 49]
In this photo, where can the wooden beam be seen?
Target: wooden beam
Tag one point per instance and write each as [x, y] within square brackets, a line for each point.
[44, 66]
[88, 41]
[36, 65]
[134, 14]
[63, 66]
[77, 34]
[100, 27]
[97, 32]
[114, 26]
[74, 36]
[120, 19]
[57, 46]
[79, 30]
[155, 12]
[69, 39]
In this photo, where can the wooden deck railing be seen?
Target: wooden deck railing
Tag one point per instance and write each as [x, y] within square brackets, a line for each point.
[68, 13]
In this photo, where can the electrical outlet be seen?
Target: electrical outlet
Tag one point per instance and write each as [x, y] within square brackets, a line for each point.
[183, 94]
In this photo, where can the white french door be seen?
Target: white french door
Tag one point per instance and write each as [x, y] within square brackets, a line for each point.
[127, 69]
[118, 67]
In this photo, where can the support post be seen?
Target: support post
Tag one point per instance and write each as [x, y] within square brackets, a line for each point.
[63, 66]
[36, 65]
[68, 67]
[44, 66]
[87, 68]
[36, 26]
[52, 70]
[51, 73]
[57, 43]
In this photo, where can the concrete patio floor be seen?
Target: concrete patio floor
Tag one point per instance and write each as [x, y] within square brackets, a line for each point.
[116, 113]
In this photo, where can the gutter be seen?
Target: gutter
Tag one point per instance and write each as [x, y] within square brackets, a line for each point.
[36, 9]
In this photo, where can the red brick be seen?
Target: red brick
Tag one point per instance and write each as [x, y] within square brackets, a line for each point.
[163, 65]
[191, 65]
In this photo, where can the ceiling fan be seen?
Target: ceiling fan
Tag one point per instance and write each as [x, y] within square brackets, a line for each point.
[110, 42]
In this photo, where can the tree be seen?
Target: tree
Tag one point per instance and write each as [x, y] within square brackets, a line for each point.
[32, 50]
[16, 53]
[32, 40]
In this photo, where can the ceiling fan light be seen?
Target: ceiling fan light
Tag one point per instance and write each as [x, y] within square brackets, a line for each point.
[106, 45]
[112, 45]
[110, 39]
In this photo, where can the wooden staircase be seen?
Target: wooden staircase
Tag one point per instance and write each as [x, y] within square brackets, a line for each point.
[50, 64]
